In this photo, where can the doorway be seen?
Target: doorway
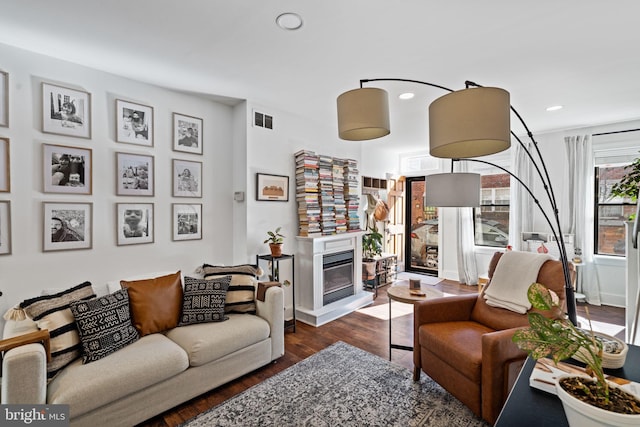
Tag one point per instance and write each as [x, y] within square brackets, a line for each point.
[421, 229]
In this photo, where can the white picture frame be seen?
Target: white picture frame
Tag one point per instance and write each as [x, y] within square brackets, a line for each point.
[66, 111]
[134, 123]
[134, 223]
[187, 178]
[187, 133]
[134, 174]
[4, 99]
[187, 221]
[5, 165]
[67, 169]
[5, 227]
[67, 226]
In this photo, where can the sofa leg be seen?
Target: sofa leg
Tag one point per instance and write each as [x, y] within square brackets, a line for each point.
[416, 373]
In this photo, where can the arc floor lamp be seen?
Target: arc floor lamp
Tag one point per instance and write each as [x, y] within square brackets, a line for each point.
[463, 124]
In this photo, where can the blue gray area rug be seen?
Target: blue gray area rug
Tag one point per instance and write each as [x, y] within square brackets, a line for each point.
[341, 386]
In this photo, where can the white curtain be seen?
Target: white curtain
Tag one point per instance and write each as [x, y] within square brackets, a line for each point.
[467, 268]
[522, 205]
[581, 215]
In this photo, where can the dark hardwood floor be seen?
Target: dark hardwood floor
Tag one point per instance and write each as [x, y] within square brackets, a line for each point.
[366, 329]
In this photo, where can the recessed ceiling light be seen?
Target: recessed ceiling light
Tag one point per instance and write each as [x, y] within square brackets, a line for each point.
[406, 95]
[554, 108]
[289, 21]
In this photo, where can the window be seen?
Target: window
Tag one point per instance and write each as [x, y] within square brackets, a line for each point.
[610, 212]
[492, 218]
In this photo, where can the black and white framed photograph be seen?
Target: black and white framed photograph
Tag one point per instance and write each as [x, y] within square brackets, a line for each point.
[187, 221]
[273, 188]
[67, 226]
[187, 133]
[134, 175]
[5, 173]
[187, 178]
[66, 111]
[5, 227]
[135, 223]
[66, 169]
[4, 99]
[134, 123]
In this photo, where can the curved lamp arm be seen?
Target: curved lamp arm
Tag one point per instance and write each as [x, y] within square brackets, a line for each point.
[543, 174]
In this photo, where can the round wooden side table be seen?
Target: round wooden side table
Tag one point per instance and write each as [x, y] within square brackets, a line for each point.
[400, 292]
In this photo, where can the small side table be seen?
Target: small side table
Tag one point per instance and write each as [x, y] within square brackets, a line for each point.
[579, 295]
[400, 292]
[275, 276]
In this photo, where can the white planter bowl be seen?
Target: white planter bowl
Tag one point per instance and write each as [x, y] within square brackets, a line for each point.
[581, 414]
[609, 360]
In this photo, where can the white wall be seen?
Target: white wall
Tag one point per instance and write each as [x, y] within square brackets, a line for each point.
[28, 270]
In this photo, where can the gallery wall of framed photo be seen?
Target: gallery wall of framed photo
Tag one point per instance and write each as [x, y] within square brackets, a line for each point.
[99, 171]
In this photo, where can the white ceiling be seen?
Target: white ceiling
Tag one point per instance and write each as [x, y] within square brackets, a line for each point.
[582, 54]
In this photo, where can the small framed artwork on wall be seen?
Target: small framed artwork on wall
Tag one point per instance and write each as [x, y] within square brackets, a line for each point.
[135, 223]
[5, 227]
[66, 169]
[134, 123]
[134, 175]
[187, 134]
[67, 226]
[5, 174]
[66, 111]
[4, 99]
[273, 188]
[187, 221]
[187, 178]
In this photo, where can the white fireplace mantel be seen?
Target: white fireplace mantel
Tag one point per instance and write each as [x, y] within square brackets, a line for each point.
[309, 280]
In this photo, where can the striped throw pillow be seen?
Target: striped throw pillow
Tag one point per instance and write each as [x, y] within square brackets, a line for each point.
[52, 312]
[242, 288]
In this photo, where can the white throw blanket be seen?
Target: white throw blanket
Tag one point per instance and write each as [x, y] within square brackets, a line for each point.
[515, 272]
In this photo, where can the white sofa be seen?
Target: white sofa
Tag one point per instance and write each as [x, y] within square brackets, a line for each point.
[151, 375]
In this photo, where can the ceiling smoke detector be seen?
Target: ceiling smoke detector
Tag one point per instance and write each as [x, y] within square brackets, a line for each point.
[289, 21]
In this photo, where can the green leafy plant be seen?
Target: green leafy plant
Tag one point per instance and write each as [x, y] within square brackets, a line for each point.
[274, 237]
[560, 339]
[371, 243]
[628, 185]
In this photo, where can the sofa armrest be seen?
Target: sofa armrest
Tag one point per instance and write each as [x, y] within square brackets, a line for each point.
[272, 310]
[498, 352]
[24, 368]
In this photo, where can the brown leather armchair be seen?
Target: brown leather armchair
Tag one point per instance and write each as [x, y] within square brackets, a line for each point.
[465, 345]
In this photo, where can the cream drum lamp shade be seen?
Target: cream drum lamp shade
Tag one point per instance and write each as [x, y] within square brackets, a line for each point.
[472, 122]
[363, 114]
[457, 189]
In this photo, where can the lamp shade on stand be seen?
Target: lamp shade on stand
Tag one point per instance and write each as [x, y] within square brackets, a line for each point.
[471, 122]
[363, 114]
[452, 190]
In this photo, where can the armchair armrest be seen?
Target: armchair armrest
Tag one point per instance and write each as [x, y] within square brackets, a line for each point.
[446, 309]
[498, 352]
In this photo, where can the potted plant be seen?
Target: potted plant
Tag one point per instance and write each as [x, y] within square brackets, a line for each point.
[628, 186]
[275, 240]
[586, 401]
[371, 246]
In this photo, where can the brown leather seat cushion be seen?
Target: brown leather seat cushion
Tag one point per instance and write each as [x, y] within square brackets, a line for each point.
[457, 343]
